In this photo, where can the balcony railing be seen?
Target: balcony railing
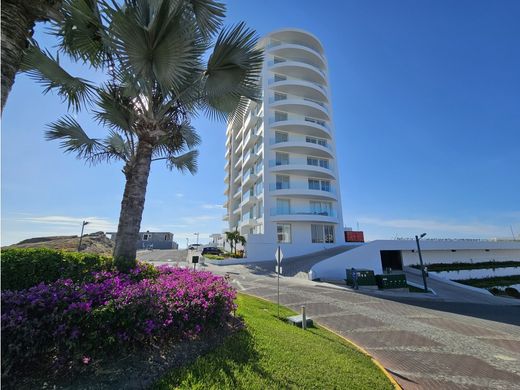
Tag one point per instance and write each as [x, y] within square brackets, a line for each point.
[294, 138]
[299, 161]
[301, 186]
[302, 211]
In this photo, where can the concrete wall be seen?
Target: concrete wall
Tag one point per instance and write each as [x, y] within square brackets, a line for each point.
[369, 256]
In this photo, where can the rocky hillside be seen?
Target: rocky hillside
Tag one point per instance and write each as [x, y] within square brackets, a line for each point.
[94, 243]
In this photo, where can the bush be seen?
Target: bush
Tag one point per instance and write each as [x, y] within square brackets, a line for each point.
[26, 267]
[66, 324]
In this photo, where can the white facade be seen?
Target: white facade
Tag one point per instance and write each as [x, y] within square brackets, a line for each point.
[282, 182]
[433, 251]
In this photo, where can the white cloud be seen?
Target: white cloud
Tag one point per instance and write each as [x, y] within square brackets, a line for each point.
[94, 223]
[212, 206]
[443, 228]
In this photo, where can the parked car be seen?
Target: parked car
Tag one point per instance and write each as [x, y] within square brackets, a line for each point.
[211, 250]
[194, 247]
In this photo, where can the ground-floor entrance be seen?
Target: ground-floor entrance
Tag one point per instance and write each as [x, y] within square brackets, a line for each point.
[391, 260]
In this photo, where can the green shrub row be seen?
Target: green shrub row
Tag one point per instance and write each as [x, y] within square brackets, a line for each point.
[26, 267]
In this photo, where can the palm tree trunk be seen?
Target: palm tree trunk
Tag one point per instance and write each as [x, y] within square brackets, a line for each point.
[17, 27]
[132, 207]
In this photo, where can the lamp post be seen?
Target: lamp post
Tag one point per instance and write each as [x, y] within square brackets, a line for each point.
[421, 261]
[197, 234]
[81, 236]
[187, 242]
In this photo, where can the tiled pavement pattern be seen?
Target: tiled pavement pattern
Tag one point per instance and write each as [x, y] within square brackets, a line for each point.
[421, 348]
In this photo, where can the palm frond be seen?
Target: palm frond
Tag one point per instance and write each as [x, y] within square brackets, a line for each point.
[73, 138]
[81, 31]
[189, 135]
[117, 147]
[46, 70]
[208, 15]
[115, 108]
[156, 44]
[233, 71]
[184, 162]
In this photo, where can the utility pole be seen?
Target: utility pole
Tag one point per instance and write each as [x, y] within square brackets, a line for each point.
[81, 236]
[421, 261]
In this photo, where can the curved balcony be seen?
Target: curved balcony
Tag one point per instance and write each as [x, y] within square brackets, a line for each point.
[301, 71]
[298, 166]
[301, 190]
[297, 36]
[302, 88]
[302, 107]
[303, 126]
[300, 146]
[299, 214]
[297, 52]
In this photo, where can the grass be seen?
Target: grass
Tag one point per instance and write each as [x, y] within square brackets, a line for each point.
[492, 281]
[437, 267]
[271, 354]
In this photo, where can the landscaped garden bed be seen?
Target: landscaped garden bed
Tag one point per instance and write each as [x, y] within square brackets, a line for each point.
[438, 267]
[54, 331]
[493, 284]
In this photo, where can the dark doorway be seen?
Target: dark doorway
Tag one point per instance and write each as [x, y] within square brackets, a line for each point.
[392, 259]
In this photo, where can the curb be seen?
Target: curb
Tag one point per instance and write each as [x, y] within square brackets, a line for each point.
[356, 346]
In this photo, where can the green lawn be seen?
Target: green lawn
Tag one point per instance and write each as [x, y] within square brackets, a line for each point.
[271, 354]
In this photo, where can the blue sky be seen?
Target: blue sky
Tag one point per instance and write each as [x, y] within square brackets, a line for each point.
[426, 99]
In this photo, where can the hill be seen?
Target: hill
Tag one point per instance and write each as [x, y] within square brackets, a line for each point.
[96, 242]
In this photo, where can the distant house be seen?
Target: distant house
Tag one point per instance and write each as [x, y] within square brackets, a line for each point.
[153, 240]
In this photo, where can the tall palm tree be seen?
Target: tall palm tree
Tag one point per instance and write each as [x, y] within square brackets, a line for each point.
[18, 20]
[152, 51]
[234, 238]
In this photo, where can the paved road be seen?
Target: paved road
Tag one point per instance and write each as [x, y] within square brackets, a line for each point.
[164, 255]
[423, 347]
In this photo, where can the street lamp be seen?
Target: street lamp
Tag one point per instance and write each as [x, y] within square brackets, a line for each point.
[187, 242]
[197, 234]
[420, 260]
[81, 236]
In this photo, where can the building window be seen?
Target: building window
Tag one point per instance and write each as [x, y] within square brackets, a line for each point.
[322, 234]
[319, 141]
[283, 206]
[316, 184]
[146, 237]
[312, 161]
[282, 158]
[280, 116]
[277, 60]
[282, 182]
[166, 237]
[279, 96]
[279, 77]
[280, 136]
[321, 208]
[283, 232]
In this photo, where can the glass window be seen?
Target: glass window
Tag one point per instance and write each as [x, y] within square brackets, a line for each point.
[282, 158]
[282, 182]
[280, 136]
[277, 60]
[324, 163]
[283, 232]
[311, 140]
[279, 96]
[283, 206]
[325, 185]
[322, 233]
[312, 161]
[329, 233]
[314, 184]
[279, 77]
[146, 237]
[280, 116]
[322, 142]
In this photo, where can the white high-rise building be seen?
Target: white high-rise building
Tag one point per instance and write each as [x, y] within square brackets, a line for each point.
[282, 182]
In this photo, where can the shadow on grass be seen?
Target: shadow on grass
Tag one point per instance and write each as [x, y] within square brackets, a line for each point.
[224, 367]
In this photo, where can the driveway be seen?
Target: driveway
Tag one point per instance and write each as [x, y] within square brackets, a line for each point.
[422, 345]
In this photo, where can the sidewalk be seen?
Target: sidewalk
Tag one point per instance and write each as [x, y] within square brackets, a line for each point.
[420, 347]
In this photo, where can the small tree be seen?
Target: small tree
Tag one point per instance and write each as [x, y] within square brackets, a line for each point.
[152, 51]
[234, 238]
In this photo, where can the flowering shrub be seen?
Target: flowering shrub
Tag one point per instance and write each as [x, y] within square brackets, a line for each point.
[65, 322]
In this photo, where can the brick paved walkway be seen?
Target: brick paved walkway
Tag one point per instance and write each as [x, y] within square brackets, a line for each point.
[420, 347]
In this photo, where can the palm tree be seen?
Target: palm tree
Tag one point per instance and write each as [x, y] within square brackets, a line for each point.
[18, 20]
[152, 51]
[234, 238]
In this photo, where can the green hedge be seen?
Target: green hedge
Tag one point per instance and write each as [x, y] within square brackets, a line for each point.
[24, 268]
